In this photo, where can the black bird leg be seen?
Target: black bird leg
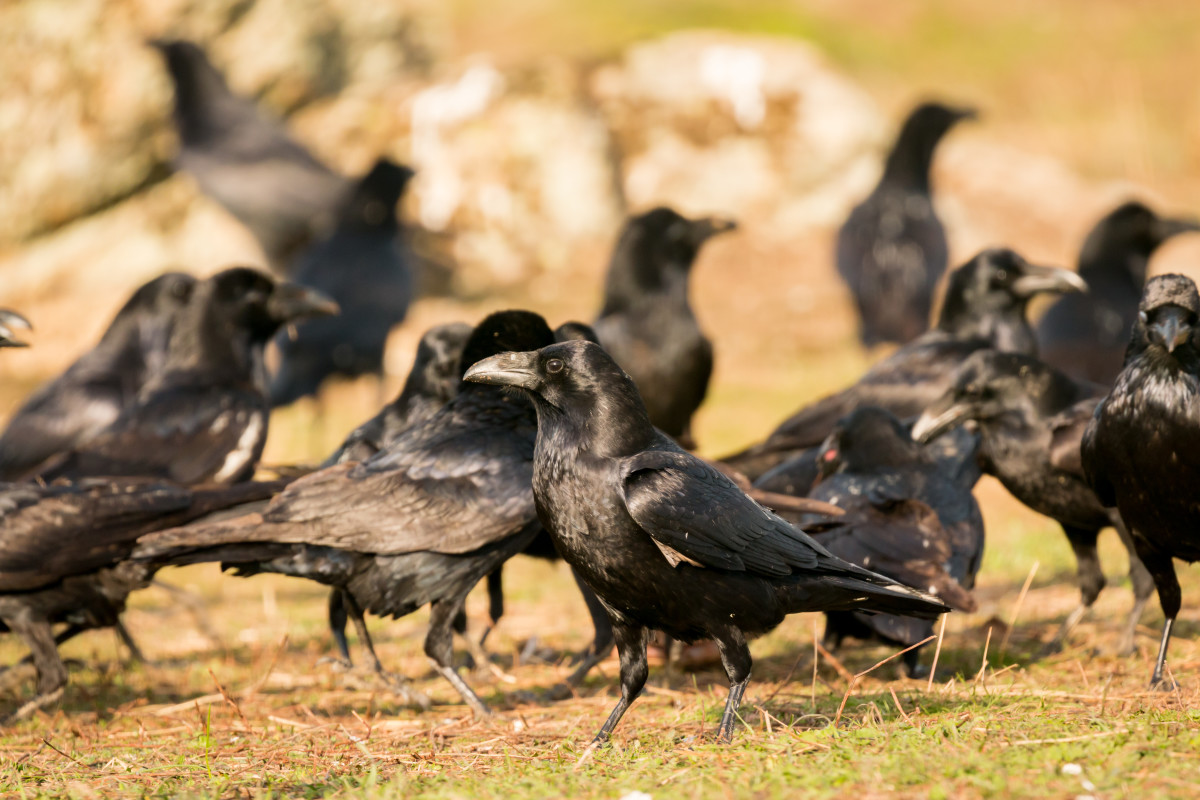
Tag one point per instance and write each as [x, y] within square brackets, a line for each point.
[1163, 571]
[495, 590]
[631, 645]
[337, 626]
[51, 671]
[126, 639]
[351, 608]
[65, 635]
[735, 655]
[439, 647]
[1091, 583]
[1143, 587]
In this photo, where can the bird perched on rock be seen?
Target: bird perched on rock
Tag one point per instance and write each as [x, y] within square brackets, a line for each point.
[1085, 335]
[665, 540]
[1141, 449]
[647, 323]
[984, 307]
[246, 161]
[10, 323]
[367, 270]
[892, 250]
[90, 395]
[1031, 420]
[203, 417]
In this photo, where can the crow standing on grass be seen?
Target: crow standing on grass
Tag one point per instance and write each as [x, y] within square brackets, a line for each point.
[1085, 335]
[647, 324]
[90, 395]
[665, 540]
[366, 268]
[1031, 418]
[1141, 450]
[892, 250]
[984, 307]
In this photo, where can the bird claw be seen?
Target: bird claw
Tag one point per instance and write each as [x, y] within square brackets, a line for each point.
[560, 691]
[1163, 685]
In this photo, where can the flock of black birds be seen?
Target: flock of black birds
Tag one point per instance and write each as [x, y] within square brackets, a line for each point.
[511, 437]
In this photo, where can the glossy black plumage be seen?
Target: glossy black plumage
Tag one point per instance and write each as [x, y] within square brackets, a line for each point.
[1085, 335]
[1141, 450]
[892, 251]
[246, 161]
[647, 323]
[665, 540]
[1031, 419]
[203, 417]
[366, 267]
[984, 307]
[91, 393]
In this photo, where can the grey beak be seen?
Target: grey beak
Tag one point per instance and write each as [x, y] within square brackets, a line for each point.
[1038, 279]
[934, 422]
[1171, 329]
[10, 321]
[291, 301]
[506, 369]
[1173, 226]
[708, 227]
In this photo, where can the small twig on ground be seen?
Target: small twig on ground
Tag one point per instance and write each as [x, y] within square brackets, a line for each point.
[937, 651]
[229, 699]
[856, 678]
[1012, 623]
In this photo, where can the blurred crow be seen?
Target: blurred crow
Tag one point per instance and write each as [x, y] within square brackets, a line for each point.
[89, 396]
[63, 551]
[984, 307]
[1141, 450]
[1031, 418]
[10, 322]
[367, 270]
[892, 251]
[647, 324]
[1085, 335]
[203, 417]
[246, 161]
[665, 540]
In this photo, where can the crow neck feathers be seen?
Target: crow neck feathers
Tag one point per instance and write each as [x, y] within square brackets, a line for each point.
[908, 163]
[647, 270]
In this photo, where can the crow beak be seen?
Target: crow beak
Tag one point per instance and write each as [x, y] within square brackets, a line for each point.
[707, 227]
[291, 301]
[506, 369]
[1166, 228]
[1170, 329]
[936, 421]
[10, 320]
[1037, 279]
[966, 113]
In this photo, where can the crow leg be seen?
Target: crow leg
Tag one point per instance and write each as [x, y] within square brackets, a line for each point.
[913, 668]
[631, 645]
[1162, 569]
[735, 655]
[1090, 579]
[1143, 587]
[831, 640]
[398, 683]
[127, 640]
[65, 635]
[337, 626]
[51, 672]
[439, 647]
[495, 590]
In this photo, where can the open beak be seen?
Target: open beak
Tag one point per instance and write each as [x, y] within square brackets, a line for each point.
[707, 227]
[1170, 328]
[942, 416]
[291, 301]
[10, 321]
[1036, 279]
[506, 369]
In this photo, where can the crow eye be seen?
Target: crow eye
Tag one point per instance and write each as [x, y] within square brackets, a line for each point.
[554, 365]
[1002, 275]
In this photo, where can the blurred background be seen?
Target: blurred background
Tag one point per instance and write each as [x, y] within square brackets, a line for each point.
[535, 126]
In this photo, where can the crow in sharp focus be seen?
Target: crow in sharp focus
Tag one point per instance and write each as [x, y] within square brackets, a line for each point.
[203, 417]
[90, 395]
[984, 307]
[892, 251]
[1085, 335]
[446, 503]
[63, 551]
[664, 539]
[1141, 449]
[647, 324]
[367, 270]
[871, 466]
[1031, 418]
[10, 322]
[248, 162]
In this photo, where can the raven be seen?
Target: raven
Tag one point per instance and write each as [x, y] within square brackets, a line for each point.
[1031, 418]
[203, 417]
[647, 324]
[1085, 335]
[1141, 449]
[90, 395]
[984, 307]
[665, 540]
[892, 250]
[367, 270]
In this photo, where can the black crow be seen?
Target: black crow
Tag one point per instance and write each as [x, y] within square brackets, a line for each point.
[869, 466]
[63, 557]
[421, 522]
[1141, 449]
[203, 417]
[664, 539]
[892, 251]
[647, 324]
[984, 307]
[366, 268]
[1085, 335]
[10, 323]
[246, 161]
[1031, 418]
[90, 395]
